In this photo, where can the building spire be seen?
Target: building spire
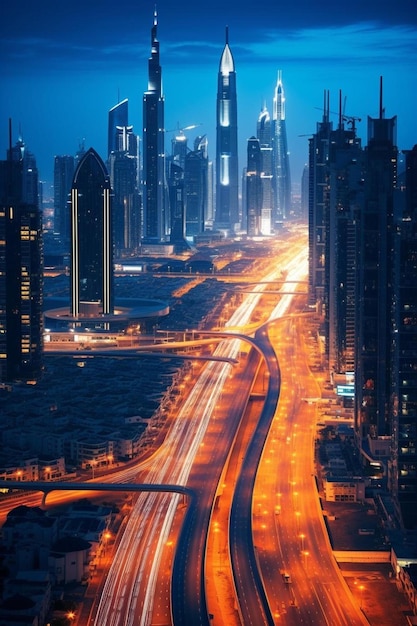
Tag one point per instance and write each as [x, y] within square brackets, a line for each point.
[227, 64]
[381, 106]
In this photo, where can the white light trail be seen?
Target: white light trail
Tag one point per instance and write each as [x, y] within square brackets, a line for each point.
[134, 571]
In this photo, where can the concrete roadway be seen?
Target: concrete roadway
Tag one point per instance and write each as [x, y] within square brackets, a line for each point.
[289, 532]
[253, 604]
[189, 607]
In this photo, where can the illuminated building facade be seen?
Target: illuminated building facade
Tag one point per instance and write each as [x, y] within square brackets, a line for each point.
[253, 188]
[188, 189]
[196, 182]
[123, 166]
[264, 135]
[375, 294]
[318, 157]
[282, 176]
[344, 202]
[404, 478]
[155, 214]
[63, 176]
[118, 118]
[91, 239]
[21, 280]
[227, 202]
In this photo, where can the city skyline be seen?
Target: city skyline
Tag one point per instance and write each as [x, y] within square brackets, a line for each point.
[62, 77]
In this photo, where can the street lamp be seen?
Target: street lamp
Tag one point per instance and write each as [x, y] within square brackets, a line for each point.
[306, 553]
[361, 588]
[302, 537]
[297, 514]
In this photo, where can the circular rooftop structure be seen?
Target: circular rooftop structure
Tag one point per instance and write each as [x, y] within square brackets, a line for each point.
[127, 311]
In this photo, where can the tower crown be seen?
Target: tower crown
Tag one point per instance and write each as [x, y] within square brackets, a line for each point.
[227, 64]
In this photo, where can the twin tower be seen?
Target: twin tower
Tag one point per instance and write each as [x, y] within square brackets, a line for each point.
[266, 197]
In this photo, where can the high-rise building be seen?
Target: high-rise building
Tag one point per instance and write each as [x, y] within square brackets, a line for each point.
[175, 168]
[282, 177]
[188, 189]
[21, 280]
[91, 239]
[318, 156]
[264, 134]
[63, 176]
[227, 184]
[375, 294]
[344, 201]
[177, 205]
[196, 184]
[304, 193]
[253, 188]
[123, 166]
[155, 214]
[404, 410]
[118, 118]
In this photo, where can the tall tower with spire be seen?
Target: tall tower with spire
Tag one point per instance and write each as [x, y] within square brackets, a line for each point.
[155, 218]
[282, 178]
[264, 134]
[227, 203]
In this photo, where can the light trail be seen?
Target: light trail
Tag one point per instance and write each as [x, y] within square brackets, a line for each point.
[135, 566]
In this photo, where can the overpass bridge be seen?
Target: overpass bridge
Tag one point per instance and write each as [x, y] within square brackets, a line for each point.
[47, 487]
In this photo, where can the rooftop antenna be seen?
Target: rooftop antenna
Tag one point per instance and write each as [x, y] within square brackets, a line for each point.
[10, 136]
[227, 35]
[381, 110]
[340, 109]
[324, 106]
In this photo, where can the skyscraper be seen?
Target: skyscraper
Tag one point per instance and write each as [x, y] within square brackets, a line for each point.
[63, 176]
[282, 177]
[404, 479]
[91, 239]
[264, 134]
[318, 156]
[155, 214]
[123, 166]
[345, 171]
[188, 188]
[227, 202]
[375, 296]
[196, 183]
[253, 188]
[118, 118]
[21, 280]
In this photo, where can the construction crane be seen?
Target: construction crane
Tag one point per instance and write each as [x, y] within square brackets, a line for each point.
[349, 119]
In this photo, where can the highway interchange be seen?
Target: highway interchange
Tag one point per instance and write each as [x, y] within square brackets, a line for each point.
[277, 562]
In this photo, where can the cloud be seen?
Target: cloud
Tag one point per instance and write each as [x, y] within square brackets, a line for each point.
[352, 42]
[364, 41]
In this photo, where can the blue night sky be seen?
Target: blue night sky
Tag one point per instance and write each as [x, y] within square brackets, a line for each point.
[64, 65]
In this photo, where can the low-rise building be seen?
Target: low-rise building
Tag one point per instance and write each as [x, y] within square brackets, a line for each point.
[344, 489]
[69, 560]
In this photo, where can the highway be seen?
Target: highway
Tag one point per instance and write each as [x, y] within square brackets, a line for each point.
[131, 593]
[276, 528]
[253, 604]
[288, 529]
